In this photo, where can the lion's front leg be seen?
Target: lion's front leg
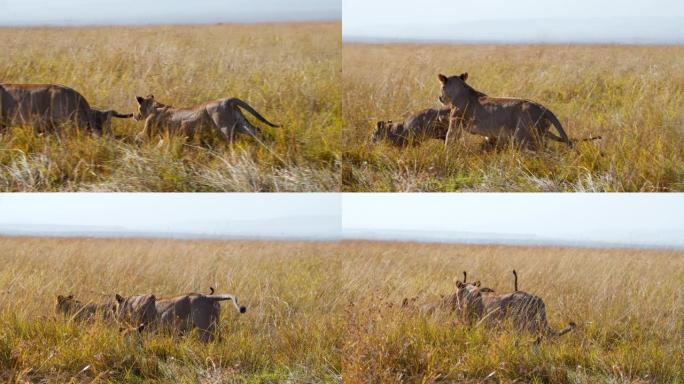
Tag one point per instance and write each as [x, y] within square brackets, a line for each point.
[147, 129]
[455, 128]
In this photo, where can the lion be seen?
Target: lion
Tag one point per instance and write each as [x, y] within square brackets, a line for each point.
[222, 115]
[427, 124]
[194, 310]
[103, 118]
[447, 302]
[527, 312]
[180, 314]
[47, 107]
[525, 121]
[135, 310]
[83, 312]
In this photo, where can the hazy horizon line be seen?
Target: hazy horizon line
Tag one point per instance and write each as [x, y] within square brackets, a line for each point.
[520, 241]
[162, 24]
[421, 41]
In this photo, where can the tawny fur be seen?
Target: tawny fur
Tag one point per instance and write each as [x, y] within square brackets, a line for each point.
[427, 124]
[525, 121]
[85, 312]
[178, 314]
[47, 107]
[525, 311]
[223, 116]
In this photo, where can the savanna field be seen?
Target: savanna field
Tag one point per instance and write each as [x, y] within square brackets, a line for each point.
[632, 96]
[331, 312]
[290, 332]
[290, 73]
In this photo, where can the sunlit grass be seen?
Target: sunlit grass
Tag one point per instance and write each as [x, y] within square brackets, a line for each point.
[632, 96]
[290, 73]
[332, 312]
[628, 306]
[289, 332]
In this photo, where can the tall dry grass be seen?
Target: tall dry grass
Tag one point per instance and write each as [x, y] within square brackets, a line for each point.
[290, 331]
[331, 312]
[632, 96]
[628, 305]
[289, 72]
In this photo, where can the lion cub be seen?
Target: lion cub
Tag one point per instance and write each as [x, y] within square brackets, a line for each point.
[526, 311]
[79, 311]
[180, 314]
[427, 124]
[447, 303]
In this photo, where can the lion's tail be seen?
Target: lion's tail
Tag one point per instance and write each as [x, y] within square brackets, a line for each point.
[238, 307]
[570, 327]
[554, 120]
[590, 138]
[121, 115]
[251, 110]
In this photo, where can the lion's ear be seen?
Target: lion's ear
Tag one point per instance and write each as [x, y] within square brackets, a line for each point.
[442, 79]
[464, 76]
[119, 298]
[70, 297]
[139, 99]
[477, 283]
[459, 284]
[379, 124]
[60, 298]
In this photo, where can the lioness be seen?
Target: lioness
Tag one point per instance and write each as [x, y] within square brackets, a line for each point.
[223, 115]
[79, 311]
[449, 302]
[194, 310]
[47, 106]
[135, 310]
[500, 117]
[180, 313]
[427, 124]
[526, 311]
[103, 118]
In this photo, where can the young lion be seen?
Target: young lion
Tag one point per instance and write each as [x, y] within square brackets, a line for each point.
[223, 115]
[449, 302]
[135, 310]
[526, 311]
[525, 121]
[79, 311]
[181, 313]
[194, 310]
[427, 124]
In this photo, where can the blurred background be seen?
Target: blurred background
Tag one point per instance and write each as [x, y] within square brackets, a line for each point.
[127, 12]
[524, 21]
[602, 220]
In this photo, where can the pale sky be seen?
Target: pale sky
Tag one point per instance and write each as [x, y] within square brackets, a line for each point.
[108, 12]
[536, 218]
[639, 21]
[314, 215]
[636, 219]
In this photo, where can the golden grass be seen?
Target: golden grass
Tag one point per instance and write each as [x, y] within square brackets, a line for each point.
[289, 72]
[329, 312]
[633, 96]
[289, 332]
[628, 305]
